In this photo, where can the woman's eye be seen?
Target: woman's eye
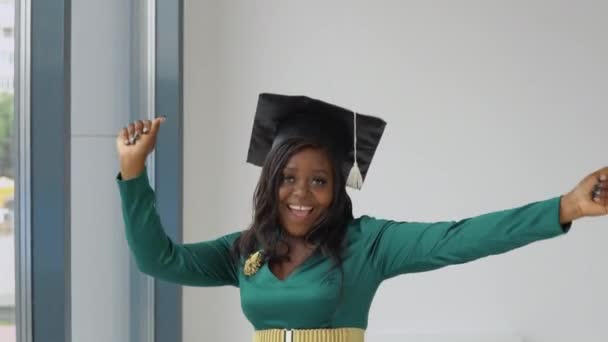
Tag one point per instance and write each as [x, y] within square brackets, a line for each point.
[319, 181]
[288, 179]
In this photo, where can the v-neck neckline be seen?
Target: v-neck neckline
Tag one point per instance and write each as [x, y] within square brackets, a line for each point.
[296, 269]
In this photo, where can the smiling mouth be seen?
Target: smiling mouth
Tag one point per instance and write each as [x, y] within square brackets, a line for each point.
[300, 211]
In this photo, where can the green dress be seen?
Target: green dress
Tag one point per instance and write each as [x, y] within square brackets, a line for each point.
[315, 294]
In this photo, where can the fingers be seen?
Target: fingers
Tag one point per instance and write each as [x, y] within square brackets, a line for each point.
[600, 192]
[601, 200]
[130, 134]
[600, 189]
[139, 126]
[602, 185]
[123, 136]
[156, 124]
[147, 126]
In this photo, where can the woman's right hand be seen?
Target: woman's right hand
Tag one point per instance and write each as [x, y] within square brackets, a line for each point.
[134, 143]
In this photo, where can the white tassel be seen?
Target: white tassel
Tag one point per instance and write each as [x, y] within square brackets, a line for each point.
[355, 179]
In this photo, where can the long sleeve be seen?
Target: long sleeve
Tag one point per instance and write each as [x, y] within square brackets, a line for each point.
[206, 263]
[395, 248]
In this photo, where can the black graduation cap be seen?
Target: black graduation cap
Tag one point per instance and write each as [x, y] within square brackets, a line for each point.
[279, 117]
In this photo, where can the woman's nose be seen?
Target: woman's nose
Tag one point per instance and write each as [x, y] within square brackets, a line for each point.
[300, 188]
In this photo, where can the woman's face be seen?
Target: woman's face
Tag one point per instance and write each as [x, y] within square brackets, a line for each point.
[305, 191]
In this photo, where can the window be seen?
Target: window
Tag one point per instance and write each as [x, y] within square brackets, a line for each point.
[7, 175]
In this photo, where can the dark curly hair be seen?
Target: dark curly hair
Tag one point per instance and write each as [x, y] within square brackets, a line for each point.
[265, 232]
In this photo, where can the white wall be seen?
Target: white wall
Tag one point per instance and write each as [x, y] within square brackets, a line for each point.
[490, 105]
[100, 106]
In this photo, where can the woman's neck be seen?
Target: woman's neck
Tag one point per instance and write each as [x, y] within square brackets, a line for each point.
[299, 249]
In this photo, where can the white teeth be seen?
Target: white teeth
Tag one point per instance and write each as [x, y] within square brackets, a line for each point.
[299, 207]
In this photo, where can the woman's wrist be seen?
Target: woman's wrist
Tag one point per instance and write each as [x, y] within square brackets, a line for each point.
[568, 209]
[130, 169]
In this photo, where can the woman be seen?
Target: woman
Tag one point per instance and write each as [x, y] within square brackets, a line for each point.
[307, 270]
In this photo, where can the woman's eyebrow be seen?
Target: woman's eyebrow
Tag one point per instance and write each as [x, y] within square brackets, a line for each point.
[291, 168]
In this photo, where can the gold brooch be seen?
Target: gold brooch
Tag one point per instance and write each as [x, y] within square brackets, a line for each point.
[253, 263]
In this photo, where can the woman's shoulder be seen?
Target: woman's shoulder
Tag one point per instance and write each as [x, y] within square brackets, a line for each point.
[229, 238]
[366, 222]
[363, 226]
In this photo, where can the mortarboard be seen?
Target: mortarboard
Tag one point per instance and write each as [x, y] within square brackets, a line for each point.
[279, 117]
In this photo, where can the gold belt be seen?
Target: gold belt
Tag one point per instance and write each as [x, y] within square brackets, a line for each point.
[309, 335]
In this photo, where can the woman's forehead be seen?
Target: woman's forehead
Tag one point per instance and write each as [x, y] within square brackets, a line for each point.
[309, 157]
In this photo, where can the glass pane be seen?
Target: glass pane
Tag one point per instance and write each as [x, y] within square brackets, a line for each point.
[7, 172]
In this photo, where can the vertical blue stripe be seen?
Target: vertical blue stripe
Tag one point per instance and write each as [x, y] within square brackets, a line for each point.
[50, 174]
[169, 156]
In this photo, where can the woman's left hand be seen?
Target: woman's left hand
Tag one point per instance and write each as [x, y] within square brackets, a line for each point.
[588, 198]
